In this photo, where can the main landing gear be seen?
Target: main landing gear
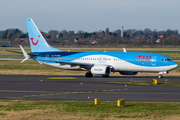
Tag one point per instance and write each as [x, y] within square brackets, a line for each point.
[105, 75]
[89, 74]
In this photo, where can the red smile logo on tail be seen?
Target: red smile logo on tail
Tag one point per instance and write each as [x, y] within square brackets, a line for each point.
[33, 41]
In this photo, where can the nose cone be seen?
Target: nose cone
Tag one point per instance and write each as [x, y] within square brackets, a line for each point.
[173, 64]
[176, 65]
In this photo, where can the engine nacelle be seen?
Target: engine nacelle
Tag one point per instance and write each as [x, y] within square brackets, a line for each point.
[128, 73]
[101, 70]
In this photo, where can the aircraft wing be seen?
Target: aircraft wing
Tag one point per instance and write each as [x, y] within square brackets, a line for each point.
[13, 51]
[82, 65]
[21, 52]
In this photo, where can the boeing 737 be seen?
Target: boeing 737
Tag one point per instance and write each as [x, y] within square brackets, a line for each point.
[95, 63]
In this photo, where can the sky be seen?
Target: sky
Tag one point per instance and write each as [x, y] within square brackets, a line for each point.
[91, 15]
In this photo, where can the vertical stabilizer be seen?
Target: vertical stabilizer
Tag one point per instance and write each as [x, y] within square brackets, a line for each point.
[37, 41]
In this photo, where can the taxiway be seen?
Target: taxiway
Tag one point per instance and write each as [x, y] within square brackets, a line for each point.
[32, 87]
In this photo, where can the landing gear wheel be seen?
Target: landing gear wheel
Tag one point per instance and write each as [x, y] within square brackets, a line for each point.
[89, 74]
[160, 76]
[105, 75]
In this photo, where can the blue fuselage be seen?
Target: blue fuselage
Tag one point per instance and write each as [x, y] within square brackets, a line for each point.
[120, 61]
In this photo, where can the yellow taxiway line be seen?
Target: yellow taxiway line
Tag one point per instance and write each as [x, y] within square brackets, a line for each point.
[56, 78]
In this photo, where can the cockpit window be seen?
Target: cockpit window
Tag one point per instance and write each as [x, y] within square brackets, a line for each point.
[166, 59]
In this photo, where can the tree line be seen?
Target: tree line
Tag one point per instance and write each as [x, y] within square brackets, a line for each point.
[131, 37]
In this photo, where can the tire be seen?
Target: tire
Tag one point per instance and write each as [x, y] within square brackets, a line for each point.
[105, 75]
[160, 76]
[89, 74]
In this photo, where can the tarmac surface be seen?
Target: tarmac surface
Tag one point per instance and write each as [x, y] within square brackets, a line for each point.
[32, 87]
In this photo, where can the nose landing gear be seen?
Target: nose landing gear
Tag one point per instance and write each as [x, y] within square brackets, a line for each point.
[160, 76]
[164, 72]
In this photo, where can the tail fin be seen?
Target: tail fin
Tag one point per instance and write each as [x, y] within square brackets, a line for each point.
[37, 41]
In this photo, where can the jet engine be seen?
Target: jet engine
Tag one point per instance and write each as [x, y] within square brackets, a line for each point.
[128, 73]
[101, 70]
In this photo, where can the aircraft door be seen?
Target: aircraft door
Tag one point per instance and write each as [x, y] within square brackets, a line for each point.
[102, 60]
[47, 57]
[153, 61]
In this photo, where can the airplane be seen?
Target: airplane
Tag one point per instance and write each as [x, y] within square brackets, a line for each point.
[95, 63]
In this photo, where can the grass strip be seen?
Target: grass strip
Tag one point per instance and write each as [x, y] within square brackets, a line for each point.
[21, 109]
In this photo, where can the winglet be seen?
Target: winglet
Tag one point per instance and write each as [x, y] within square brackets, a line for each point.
[124, 50]
[24, 53]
